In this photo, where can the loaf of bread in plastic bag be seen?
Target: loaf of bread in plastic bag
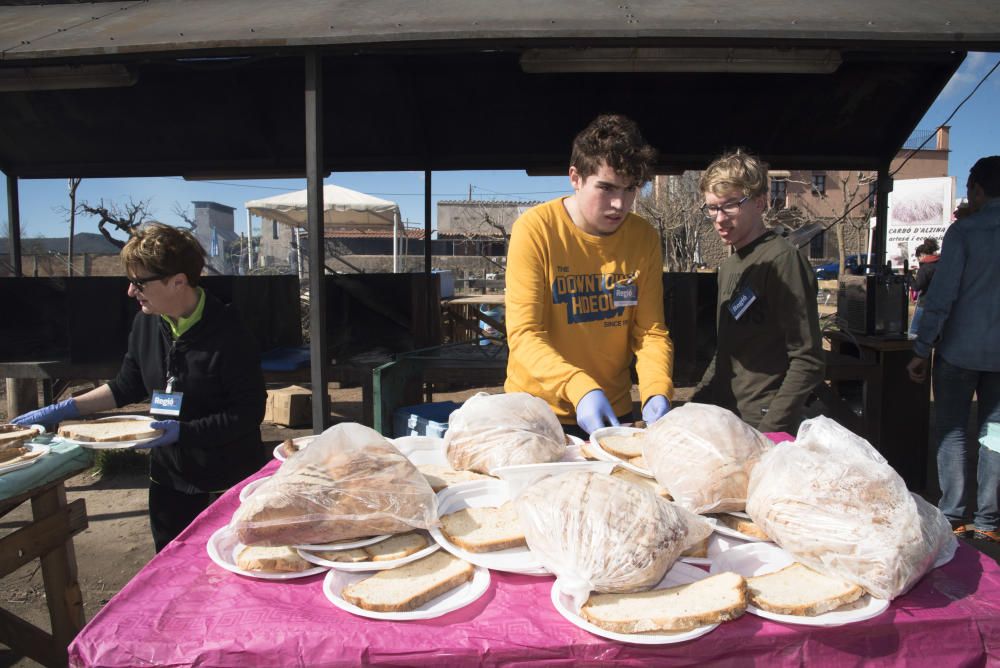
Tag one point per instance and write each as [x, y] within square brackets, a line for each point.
[349, 483]
[833, 501]
[600, 533]
[703, 454]
[492, 430]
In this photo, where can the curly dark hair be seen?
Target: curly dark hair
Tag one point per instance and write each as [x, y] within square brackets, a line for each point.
[616, 141]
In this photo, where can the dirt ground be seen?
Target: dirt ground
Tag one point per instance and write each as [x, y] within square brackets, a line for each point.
[117, 542]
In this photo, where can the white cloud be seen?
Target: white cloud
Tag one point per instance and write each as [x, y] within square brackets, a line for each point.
[975, 66]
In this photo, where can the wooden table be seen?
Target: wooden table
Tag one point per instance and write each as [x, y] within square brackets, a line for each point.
[465, 316]
[48, 538]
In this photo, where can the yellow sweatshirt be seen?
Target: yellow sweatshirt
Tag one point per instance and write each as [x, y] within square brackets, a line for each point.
[566, 334]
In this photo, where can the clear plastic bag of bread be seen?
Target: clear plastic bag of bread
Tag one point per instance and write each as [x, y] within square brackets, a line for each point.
[599, 533]
[350, 482]
[703, 454]
[491, 430]
[834, 502]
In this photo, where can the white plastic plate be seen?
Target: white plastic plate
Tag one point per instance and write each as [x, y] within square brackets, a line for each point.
[459, 597]
[422, 450]
[315, 558]
[115, 445]
[35, 452]
[679, 574]
[252, 487]
[301, 441]
[484, 494]
[223, 547]
[601, 453]
[733, 533]
[716, 545]
[762, 558]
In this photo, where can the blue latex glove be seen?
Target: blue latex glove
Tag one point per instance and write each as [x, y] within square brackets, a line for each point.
[51, 415]
[655, 408]
[594, 411]
[171, 432]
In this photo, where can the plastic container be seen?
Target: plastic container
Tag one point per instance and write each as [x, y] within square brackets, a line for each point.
[423, 419]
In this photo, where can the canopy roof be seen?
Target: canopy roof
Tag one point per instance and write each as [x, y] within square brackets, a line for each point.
[214, 88]
[341, 206]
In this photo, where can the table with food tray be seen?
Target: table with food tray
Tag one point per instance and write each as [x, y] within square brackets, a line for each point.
[184, 608]
[48, 537]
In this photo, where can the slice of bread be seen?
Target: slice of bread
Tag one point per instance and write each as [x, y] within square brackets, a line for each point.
[440, 477]
[699, 550]
[717, 598]
[484, 529]
[639, 461]
[411, 585]
[625, 446]
[282, 559]
[14, 435]
[642, 481]
[799, 590]
[107, 431]
[353, 556]
[743, 525]
[587, 450]
[397, 547]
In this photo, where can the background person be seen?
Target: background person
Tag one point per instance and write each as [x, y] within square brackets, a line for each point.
[769, 354]
[961, 322]
[585, 289]
[184, 342]
[927, 257]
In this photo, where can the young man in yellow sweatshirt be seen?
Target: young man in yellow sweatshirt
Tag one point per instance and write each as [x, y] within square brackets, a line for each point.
[585, 290]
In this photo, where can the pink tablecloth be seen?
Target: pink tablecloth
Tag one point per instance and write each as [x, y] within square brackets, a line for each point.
[182, 609]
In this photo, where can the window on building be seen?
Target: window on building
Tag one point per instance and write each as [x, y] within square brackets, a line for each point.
[819, 184]
[778, 193]
[274, 229]
[872, 193]
[817, 246]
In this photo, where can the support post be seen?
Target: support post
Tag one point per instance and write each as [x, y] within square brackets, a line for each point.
[881, 219]
[14, 224]
[318, 349]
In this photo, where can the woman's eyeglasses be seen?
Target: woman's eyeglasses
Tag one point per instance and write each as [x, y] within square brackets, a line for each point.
[140, 283]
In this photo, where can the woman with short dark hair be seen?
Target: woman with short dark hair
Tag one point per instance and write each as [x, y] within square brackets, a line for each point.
[191, 352]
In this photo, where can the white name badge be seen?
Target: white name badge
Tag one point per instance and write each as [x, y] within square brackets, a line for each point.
[166, 403]
[626, 295]
[740, 302]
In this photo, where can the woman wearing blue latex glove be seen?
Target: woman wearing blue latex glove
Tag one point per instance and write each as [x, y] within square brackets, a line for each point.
[200, 365]
[49, 416]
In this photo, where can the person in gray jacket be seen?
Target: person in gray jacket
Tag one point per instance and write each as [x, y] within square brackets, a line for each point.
[961, 321]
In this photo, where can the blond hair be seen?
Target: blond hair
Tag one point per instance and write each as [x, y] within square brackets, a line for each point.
[165, 251]
[737, 170]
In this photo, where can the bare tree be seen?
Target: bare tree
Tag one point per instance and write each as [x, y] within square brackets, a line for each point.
[184, 213]
[851, 210]
[672, 207]
[485, 224]
[124, 218]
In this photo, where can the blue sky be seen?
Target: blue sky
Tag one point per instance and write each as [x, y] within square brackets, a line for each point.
[974, 133]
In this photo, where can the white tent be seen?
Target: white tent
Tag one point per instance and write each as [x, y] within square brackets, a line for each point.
[342, 207]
